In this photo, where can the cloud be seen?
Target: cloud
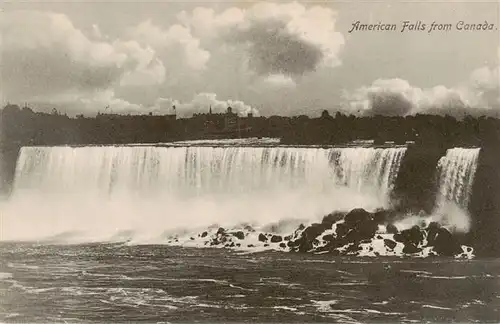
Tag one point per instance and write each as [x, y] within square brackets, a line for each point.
[44, 54]
[279, 81]
[485, 82]
[397, 97]
[174, 38]
[283, 39]
[90, 103]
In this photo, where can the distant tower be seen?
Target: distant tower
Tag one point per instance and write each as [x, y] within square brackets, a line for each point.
[229, 110]
[210, 110]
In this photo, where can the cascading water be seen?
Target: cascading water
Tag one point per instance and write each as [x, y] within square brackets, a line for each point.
[456, 172]
[102, 191]
[367, 168]
[456, 175]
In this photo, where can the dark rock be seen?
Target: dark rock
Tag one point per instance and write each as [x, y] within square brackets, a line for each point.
[240, 235]
[432, 232]
[238, 244]
[341, 229]
[204, 234]
[314, 230]
[398, 237]
[390, 244]
[364, 230]
[445, 244]
[191, 238]
[276, 239]
[262, 238]
[288, 238]
[353, 248]
[282, 245]
[249, 228]
[250, 245]
[391, 229]
[335, 252]
[412, 236]
[266, 245]
[328, 237]
[367, 229]
[433, 225]
[379, 237]
[301, 244]
[356, 216]
[332, 218]
[382, 216]
[301, 227]
[307, 240]
[221, 231]
[411, 249]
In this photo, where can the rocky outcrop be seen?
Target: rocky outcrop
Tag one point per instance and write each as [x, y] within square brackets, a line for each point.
[276, 239]
[240, 235]
[391, 229]
[354, 233]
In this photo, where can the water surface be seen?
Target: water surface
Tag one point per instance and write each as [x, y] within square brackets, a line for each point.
[153, 283]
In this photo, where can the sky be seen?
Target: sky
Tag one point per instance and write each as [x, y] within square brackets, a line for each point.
[281, 58]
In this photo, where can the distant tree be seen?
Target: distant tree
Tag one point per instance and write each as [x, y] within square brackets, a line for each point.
[339, 115]
[11, 109]
[27, 110]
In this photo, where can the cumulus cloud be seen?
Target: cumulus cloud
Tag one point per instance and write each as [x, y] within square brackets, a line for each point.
[397, 97]
[478, 96]
[486, 83]
[43, 53]
[89, 103]
[285, 39]
[176, 37]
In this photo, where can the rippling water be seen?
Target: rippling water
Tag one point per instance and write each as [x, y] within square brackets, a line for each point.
[116, 283]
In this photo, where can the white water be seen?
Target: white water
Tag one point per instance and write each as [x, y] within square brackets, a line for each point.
[96, 193]
[456, 171]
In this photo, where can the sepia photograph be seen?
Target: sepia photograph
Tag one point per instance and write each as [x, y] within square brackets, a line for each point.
[246, 161]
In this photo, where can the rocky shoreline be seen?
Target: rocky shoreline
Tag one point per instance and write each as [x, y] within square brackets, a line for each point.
[356, 233]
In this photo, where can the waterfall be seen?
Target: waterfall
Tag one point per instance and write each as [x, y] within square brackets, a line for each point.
[456, 175]
[198, 170]
[456, 172]
[368, 168]
[157, 187]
